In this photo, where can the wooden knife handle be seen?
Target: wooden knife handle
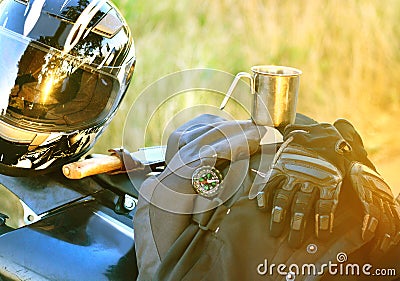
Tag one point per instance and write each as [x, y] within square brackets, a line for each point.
[92, 166]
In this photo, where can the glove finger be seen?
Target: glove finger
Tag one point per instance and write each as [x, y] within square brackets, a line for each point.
[301, 210]
[275, 183]
[389, 224]
[386, 232]
[371, 206]
[324, 214]
[396, 212]
[388, 211]
[370, 220]
[379, 223]
[282, 201]
[264, 189]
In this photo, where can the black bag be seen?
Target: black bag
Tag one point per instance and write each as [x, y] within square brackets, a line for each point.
[181, 235]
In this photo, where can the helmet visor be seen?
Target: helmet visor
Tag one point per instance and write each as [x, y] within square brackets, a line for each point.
[46, 89]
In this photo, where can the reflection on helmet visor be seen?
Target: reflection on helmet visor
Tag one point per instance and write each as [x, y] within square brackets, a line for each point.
[50, 88]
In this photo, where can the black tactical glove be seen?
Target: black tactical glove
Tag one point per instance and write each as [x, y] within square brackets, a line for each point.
[381, 210]
[307, 175]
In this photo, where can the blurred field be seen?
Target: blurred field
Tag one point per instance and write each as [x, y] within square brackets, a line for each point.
[349, 53]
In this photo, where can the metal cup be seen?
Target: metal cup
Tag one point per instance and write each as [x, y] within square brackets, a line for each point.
[275, 90]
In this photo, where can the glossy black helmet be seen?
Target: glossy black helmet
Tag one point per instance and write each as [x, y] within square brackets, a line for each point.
[65, 66]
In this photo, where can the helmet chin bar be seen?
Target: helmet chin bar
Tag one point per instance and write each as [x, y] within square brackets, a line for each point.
[57, 147]
[44, 150]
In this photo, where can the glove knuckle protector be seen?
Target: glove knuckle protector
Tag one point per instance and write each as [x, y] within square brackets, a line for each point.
[310, 179]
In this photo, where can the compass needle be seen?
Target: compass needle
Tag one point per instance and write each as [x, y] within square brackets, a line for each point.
[207, 181]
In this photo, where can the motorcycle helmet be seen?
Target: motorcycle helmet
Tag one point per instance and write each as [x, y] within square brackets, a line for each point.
[65, 66]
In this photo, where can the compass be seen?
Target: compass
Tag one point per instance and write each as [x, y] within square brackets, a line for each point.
[207, 181]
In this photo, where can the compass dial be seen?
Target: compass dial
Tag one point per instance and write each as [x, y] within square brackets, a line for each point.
[207, 181]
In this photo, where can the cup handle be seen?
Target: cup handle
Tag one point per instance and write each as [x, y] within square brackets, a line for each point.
[233, 85]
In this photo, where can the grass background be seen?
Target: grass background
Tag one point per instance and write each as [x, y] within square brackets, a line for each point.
[348, 52]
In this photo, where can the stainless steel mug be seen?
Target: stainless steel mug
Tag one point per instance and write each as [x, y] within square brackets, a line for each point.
[275, 90]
